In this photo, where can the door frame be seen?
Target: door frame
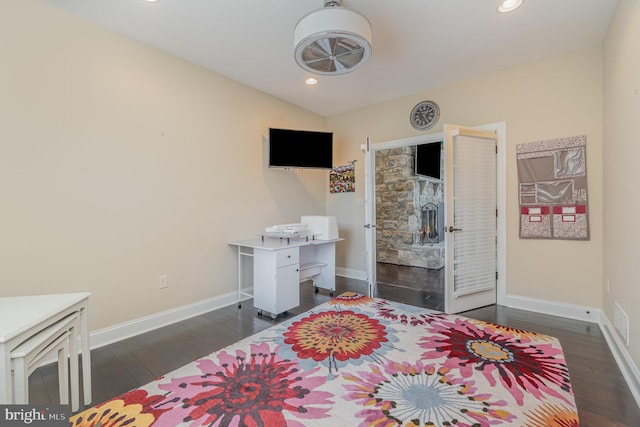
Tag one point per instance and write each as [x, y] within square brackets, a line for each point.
[501, 175]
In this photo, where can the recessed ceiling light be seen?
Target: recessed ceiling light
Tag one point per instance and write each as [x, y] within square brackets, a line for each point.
[151, 1]
[311, 81]
[509, 5]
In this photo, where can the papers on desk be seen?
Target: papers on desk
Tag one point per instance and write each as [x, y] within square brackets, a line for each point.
[286, 230]
[318, 227]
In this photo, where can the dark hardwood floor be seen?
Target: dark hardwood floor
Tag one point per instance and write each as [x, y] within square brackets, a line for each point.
[601, 394]
[417, 286]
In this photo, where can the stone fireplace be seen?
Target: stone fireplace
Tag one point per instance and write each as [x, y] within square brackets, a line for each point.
[409, 212]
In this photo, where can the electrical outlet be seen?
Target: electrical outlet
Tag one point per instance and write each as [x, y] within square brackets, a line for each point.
[162, 282]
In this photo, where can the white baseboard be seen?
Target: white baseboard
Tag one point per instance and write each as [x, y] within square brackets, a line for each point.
[570, 311]
[148, 323]
[351, 274]
[129, 329]
[628, 368]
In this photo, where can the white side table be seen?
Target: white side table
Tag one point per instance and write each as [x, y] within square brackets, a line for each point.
[25, 316]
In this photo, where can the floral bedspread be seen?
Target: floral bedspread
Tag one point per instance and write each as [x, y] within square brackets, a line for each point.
[360, 361]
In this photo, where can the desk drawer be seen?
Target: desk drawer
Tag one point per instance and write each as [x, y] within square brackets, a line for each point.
[287, 257]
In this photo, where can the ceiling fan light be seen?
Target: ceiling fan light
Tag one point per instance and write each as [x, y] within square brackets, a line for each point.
[332, 40]
[509, 5]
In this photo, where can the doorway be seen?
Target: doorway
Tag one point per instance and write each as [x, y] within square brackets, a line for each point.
[410, 224]
[423, 285]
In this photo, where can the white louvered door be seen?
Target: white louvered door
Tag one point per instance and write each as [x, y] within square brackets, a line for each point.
[471, 228]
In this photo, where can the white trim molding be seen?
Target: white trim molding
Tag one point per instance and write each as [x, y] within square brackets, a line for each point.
[121, 331]
[618, 348]
[570, 311]
[351, 273]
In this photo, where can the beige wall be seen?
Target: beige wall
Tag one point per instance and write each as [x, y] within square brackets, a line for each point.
[621, 168]
[119, 163]
[557, 97]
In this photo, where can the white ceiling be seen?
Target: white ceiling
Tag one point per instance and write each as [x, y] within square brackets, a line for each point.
[417, 44]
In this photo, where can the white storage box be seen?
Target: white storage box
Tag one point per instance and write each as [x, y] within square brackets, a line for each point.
[322, 227]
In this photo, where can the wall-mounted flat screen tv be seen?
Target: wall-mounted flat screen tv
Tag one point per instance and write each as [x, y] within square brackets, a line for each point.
[428, 159]
[300, 149]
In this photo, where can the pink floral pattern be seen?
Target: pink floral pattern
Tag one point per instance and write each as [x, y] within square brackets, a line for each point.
[402, 394]
[512, 360]
[257, 389]
[360, 361]
[335, 336]
[405, 314]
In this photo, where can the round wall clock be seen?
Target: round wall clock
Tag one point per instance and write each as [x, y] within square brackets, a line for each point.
[424, 115]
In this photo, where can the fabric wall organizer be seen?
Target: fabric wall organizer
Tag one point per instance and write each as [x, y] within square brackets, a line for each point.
[552, 178]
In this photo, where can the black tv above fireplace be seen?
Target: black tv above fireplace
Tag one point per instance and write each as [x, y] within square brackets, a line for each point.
[427, 160]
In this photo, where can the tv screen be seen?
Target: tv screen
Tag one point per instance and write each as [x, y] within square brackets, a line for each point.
[300, 149]
[428, 159]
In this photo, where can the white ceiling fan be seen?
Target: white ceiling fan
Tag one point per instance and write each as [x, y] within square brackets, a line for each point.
[333, 40]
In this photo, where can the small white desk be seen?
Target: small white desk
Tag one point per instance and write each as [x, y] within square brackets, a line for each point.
[24, 316]
[280, 264]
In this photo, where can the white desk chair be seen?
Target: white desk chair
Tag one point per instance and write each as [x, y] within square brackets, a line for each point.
[59, 338]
